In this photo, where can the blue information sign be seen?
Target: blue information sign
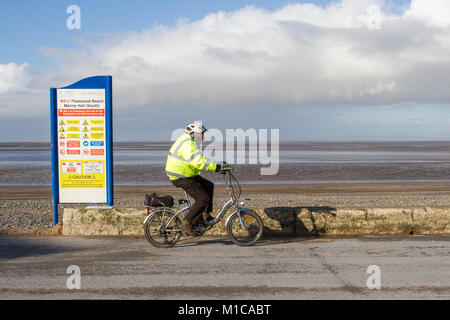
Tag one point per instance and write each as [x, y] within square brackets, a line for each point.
[82, 143]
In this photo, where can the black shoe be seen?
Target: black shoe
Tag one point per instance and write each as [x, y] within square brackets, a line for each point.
[207, 217]
[199, 229]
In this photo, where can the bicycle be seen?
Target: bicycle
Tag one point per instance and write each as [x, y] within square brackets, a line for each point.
[163, 227]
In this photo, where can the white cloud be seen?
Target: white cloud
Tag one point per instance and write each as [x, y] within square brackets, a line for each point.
[301, 54]
[13, 77]
[434, 12]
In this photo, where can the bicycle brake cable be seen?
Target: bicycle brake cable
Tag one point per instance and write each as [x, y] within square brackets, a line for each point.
[237, 184]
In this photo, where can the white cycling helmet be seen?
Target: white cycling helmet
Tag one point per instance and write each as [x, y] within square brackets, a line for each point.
[195, 128]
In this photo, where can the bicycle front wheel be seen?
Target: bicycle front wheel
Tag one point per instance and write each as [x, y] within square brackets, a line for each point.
[163, 229]
[245, 228]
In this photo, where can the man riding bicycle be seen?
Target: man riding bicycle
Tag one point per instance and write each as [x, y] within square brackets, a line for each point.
[184, 164]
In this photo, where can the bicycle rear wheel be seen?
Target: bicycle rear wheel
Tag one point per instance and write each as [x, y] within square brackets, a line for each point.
[245, 228]
[163, 229]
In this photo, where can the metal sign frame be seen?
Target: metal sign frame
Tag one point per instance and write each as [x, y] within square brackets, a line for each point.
[97, 82]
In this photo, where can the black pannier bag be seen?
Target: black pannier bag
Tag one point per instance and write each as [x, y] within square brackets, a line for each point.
[153, 200]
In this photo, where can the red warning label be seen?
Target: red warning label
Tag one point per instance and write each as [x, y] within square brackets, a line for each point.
[73, 144]
[81, 112]
[71, 170]
[97, 152]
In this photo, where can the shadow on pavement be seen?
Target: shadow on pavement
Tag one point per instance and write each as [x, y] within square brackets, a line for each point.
[20, 247]
[265, 241]
[290, 227]
[199, 241]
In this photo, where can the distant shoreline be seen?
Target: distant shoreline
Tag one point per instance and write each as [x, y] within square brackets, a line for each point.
[288, 145]
[281, 141]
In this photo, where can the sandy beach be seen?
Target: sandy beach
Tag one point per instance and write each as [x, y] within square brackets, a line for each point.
[27, 210]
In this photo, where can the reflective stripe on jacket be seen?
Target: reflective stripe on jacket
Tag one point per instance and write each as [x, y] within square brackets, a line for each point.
[185, 160]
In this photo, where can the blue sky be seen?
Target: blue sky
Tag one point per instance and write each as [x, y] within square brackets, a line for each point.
[30, 25]
[363, 85]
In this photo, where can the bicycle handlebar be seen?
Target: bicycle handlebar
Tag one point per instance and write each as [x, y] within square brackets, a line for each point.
[224, 171]
[225, 167]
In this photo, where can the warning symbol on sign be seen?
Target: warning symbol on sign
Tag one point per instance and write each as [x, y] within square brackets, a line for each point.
[61, 123]
[85, 136]
[62, 129]
[85, 123]
[62, 136]
[85, 129]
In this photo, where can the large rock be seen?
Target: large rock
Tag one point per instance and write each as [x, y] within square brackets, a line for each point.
[330, 221]
[105, 222]
[431, 220]
[389, 221]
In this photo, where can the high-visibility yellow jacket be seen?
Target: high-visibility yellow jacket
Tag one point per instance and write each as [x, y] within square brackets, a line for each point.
[185, 160]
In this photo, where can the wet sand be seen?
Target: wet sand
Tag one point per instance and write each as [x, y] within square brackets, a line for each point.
[142, 163]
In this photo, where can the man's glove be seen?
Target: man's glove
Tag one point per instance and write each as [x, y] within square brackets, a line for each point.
[225, 167]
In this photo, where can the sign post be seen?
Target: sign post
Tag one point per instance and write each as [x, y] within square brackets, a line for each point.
[81, 143]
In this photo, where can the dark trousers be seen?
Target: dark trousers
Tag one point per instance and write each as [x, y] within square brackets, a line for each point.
[202, 191]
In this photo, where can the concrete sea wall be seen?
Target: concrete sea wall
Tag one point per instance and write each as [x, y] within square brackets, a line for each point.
[278, 221]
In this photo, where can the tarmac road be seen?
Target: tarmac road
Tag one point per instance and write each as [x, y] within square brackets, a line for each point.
[412, 267]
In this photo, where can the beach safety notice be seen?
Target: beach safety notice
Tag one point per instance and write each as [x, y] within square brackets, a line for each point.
[82, 174]
[81, 145]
